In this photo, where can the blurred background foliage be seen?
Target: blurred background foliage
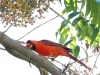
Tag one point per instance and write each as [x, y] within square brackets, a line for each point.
[81, 24]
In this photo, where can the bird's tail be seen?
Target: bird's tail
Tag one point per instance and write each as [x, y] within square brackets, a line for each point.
[75, 59]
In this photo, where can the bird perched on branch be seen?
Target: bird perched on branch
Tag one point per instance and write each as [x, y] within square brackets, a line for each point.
[51, 49]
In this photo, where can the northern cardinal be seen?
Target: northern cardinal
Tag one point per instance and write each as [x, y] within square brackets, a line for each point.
[51, 49]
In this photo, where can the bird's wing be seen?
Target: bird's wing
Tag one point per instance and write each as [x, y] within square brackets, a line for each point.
[50, 43]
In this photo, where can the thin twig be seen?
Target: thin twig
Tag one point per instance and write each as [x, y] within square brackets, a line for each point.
[79, 60]
[65, 67]
[58, 14]
[37, 27]
[74, 62]
[8, 28]
[95, 63]
[59, 62]
[85, 58]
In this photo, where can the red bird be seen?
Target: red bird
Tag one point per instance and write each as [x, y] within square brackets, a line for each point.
[51, 49]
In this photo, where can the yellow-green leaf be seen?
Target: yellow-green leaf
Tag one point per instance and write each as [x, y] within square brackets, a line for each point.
[83, 4]
[88, 7]
[75, 21]
[83, 34]
[76, 51]
[65, 44]
[73, 43]
[64, 35]
[94, 35]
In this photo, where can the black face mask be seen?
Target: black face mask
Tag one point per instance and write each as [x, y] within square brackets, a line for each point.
[33, 47]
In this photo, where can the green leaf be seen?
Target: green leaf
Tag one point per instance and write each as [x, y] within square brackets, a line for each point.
[97, 40]
[94, 35]
[63, 12]
[72, 4]
[85, 22]
[75, 5]
[63, 35]
[83, 34]
[73, 14]
[94, 12]
[92, 25]
[88, 40]
[88, 7]
[63, 24]
[73, 43]
[83, 4]
[98, 5]
[76, 51]
[92, 6]
[90, 30]
[65, 44]
[75, 21]
[67, 5]
[79, 29]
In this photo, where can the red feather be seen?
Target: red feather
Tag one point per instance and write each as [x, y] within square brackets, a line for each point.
[52, 49]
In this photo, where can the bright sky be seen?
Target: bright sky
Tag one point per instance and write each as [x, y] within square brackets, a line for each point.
[10, 65]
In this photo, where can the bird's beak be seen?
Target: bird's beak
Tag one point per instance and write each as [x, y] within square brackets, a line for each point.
[28, 45]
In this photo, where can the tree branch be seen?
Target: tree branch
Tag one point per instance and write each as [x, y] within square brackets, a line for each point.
[12, 45]
[19, 55]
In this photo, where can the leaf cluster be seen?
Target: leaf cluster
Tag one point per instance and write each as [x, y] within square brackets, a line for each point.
[82, 24]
